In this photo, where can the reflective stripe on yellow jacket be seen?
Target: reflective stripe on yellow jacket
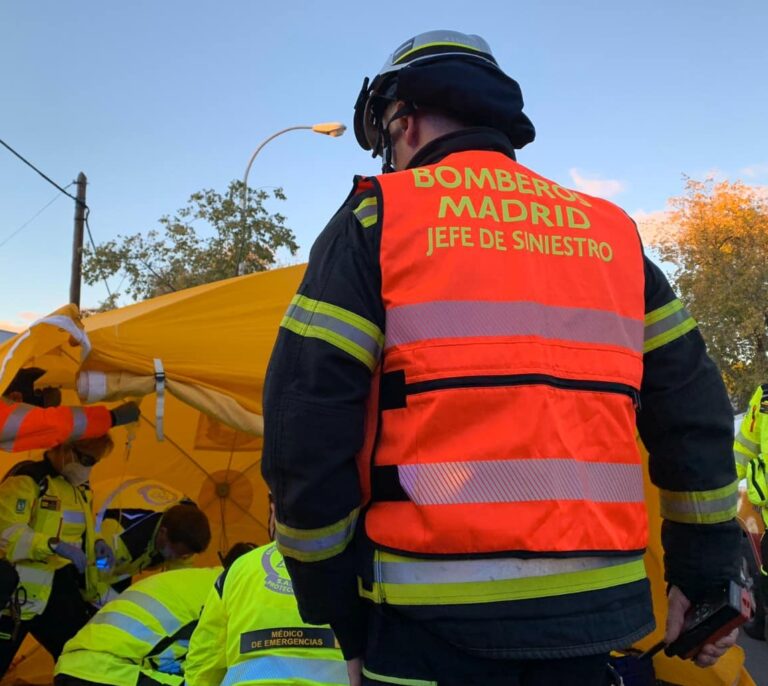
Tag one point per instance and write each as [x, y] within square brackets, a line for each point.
[750, 449]
[145, 630]
[33, 510]
[250, 632]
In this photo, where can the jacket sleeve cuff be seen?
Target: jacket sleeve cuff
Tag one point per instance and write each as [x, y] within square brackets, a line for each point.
[351, 631]
[700, 557]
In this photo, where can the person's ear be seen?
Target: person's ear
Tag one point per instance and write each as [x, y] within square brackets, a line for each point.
[411, 128]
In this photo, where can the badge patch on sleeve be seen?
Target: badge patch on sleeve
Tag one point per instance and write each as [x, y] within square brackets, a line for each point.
[288, 637]
[21, 505]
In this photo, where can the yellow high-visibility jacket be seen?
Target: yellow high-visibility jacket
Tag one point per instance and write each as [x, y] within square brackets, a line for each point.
[37, 504]
[750, 449]
[250, 631]
[145, 630]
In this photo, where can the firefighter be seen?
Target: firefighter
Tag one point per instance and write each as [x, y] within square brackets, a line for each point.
[141, 637]
[46, 530]
[250, 631]
[452, 400]
[750, 448]
[30, 419]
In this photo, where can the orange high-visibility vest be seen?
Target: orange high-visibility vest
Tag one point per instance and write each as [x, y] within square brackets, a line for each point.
[27, 427]
[511, 367]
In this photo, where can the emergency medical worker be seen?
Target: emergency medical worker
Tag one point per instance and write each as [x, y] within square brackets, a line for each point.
[750, 449]
[506, 335]
[142, 636]
[46, 530]
[148, 524]
[31, 419]
[145, 540]
[250, 631]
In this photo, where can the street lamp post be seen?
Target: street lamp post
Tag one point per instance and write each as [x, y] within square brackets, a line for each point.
[332, 129]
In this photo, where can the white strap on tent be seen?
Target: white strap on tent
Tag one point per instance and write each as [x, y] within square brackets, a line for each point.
[160, 402]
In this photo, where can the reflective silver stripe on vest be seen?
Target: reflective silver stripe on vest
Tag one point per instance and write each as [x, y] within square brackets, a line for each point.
[525, 480]
[10, 428]
[23, 548]
[129, 625]
[73, 517]
[270, 668]
[160, 612]
[477, 571]
[337, 326]
[753, 447]
[79, 423]
[466, 319]
[740, 458]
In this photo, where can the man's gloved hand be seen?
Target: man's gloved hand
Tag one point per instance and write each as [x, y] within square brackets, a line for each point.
[125, 414]
[73, 553]
[105, 557]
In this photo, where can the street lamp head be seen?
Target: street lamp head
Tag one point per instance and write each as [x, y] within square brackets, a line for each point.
[334, 129]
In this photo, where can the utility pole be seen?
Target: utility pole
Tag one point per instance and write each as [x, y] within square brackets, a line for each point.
[77, 242]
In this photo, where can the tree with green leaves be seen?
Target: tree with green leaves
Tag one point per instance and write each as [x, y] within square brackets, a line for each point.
[209, 239]
[720, 253]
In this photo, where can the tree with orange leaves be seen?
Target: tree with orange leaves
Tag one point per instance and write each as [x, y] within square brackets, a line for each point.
[720, 255]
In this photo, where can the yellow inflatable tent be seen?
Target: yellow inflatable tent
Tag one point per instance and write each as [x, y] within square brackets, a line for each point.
[197, 359]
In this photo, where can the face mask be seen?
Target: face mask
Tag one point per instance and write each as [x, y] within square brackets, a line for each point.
[76, 473]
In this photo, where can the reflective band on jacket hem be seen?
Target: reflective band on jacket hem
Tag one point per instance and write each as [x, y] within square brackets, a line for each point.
[159, 611]
[523, 480]
[134, 627]
[700, 507]
[468, 319]
[400, 681]
[269, 668]
[312, 545]
[665, 324]
[407, 581]
[749, 445]
[11, 426]
[346, 330]
[79, 423]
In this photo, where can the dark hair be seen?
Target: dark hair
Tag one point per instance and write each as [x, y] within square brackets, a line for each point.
[187, 524]
[236, 551]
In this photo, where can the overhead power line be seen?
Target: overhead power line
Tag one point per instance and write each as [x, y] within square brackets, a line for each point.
[32, 218]
[32, 166]
[61, 190]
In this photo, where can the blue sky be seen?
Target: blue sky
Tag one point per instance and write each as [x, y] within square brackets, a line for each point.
[155, 100]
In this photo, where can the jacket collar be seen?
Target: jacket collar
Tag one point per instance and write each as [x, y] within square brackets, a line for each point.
[474, 138]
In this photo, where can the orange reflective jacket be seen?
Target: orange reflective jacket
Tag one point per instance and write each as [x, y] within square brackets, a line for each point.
[512, 365]
[26, 427]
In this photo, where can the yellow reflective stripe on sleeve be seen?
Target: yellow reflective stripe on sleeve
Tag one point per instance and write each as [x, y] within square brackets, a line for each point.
[408, 581]
[367, 212]
[700, 507]
[343, 329]
[665, 324]
[313, 545]
[400, 681]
